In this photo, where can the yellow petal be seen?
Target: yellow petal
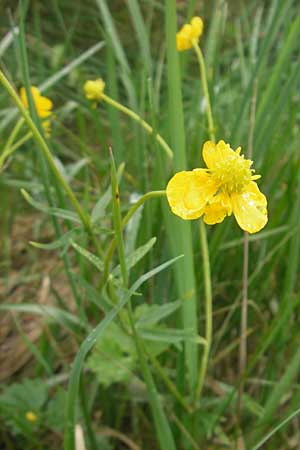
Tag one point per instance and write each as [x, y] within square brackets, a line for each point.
[250, 208]
[197, 27]
[186, 31]
[209, 154]
[214, 153]
[224, 150]
[182, 43]
[23, 97]
[43, 104]
[217, 209]
[188, 192]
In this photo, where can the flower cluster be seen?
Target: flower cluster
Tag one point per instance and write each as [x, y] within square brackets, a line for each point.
[93, 89]
[226, 186]
[189, 34]
[43, 106]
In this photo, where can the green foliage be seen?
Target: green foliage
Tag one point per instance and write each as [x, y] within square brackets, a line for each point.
[114, 358]
[79, 292]
[54, 414]
[21, 398]
[33, 397]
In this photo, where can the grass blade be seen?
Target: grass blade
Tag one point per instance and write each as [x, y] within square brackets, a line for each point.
[179, 232]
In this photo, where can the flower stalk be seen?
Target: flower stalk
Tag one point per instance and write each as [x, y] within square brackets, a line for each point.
[141, 121]
[8, 148]
[201, 61]
[203, 236]
[208, 308]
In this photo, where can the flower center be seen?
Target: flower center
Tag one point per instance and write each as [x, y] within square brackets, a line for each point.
[232, 173]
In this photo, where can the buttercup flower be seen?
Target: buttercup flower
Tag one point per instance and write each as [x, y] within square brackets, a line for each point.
[189, 34]
[43, 106]
[31, 417]
[93, 89]
[226, 186]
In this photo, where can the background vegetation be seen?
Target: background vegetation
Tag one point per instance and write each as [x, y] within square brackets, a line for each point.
[54, 294]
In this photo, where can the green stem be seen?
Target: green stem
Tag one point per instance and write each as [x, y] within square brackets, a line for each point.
[142, 122]
[7, 149]
[112, 245]
[163, 430]
[170, 385]
[203, 237]
[20, 142]
[48, 155]
[208, 308]
[211, 127]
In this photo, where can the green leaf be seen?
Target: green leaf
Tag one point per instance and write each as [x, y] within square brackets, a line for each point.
[99, 299]
[89, 256]
[131, 230]
[58, 212]
[54, 414]
[99, 209]
[169, 335]
[150, 315]
[114, 357]
[136, 256]
[51, 313]
[63, 241]
[20, 398]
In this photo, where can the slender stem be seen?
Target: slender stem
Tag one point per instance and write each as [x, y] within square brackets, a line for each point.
[87, 416]
[111, 248]
[48, 155]
[244, 312]
[14, 134]
[20, 142]
[203, 237]
[164, 432]
[211, 127]
[208, 308]
[170, 385]
[142, 122]
[7, 148]
[185, 432]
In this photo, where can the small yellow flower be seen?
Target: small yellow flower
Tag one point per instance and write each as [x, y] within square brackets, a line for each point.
[93, 89]
[227, 186]
[189, 34]
[31, 417]
[43, 106]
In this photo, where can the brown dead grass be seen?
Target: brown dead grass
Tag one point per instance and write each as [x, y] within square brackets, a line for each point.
[32, 274]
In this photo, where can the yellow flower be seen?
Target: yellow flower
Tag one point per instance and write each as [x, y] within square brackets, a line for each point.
[93, 89]
[226, 186]
[189, 34]
[43, 106]
[31, 417]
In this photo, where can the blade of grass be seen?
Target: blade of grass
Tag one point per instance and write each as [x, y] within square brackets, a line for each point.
[179, 232]
[277, 392]
[275, 429]
[272, 88]
[277, 17]
[142, 33]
